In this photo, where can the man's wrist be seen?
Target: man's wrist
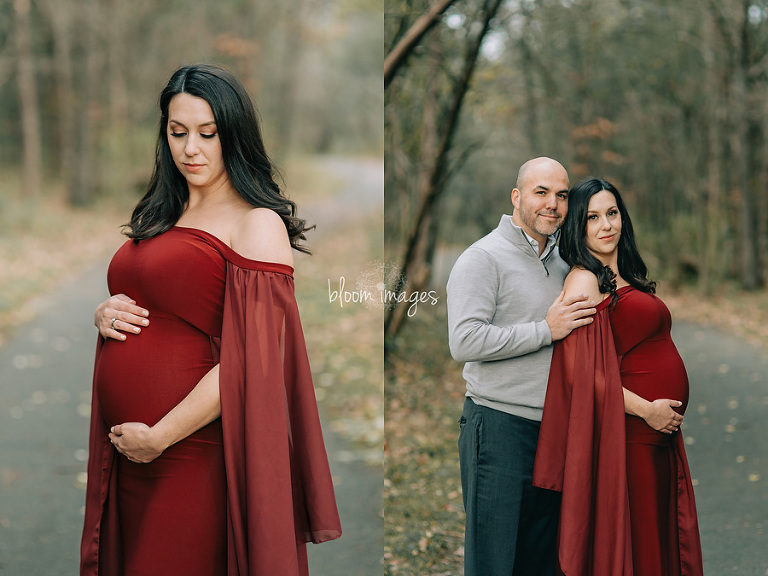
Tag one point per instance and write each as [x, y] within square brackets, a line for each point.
[547, 330]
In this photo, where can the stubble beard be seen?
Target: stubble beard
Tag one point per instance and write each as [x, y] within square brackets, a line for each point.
[541, 226]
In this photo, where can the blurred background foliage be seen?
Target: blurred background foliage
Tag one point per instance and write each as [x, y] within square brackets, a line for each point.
[669, 100]
[79, 82]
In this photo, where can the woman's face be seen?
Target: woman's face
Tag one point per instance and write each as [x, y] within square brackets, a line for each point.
[603, 226]
[194, 142]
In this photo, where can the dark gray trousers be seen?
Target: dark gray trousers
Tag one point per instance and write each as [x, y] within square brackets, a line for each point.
[511, 526]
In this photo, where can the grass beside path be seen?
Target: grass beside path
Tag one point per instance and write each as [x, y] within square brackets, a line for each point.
[744, 314]
[44, 243]
[345, 344]
[424, 394]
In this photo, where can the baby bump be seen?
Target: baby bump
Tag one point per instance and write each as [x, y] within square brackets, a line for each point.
[654, 370]
[144, 377]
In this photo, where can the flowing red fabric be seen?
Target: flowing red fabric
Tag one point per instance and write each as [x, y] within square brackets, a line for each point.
[582, 453]
[279, 489]
[100, 550]
[279, 486]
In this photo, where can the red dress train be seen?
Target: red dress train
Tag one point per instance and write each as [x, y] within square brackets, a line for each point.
[628, 507]
[243, 495]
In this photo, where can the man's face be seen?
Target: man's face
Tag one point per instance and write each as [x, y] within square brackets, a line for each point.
[541, 202]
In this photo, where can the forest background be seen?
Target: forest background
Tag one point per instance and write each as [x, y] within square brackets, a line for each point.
[666, 99]
[79, 84]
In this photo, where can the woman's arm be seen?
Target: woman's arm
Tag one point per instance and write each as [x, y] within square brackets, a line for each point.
[658, 414]
[141, 443]
[119, 314]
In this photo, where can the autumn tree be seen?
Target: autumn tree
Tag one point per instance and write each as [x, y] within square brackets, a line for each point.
[424, 113]
[665, 99]
[79, 81]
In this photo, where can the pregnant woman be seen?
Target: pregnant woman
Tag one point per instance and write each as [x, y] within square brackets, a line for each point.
[610, 437]
[206, 453]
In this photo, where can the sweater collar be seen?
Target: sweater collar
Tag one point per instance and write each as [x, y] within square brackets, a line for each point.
[510, 231]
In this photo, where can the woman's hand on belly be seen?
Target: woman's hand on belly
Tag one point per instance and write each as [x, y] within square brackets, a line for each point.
[662, 418]
[118, 314]
[658, 414]
[137, 442]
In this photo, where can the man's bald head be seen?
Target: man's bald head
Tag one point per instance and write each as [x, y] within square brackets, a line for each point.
[536, 166]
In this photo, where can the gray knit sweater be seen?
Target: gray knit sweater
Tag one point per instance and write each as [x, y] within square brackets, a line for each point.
[499, 292]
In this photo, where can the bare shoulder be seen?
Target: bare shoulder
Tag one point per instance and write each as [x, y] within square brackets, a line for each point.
[582, 281]
[260, 234]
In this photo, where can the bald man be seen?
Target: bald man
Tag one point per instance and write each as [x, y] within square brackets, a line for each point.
[505, 309]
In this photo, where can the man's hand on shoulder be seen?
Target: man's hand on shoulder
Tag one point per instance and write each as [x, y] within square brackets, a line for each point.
[575, 306]
[261, 235]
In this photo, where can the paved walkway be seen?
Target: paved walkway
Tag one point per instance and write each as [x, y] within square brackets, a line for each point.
[726, 431]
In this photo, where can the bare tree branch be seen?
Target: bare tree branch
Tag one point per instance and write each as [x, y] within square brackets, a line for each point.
[436, 181]
[398, 55]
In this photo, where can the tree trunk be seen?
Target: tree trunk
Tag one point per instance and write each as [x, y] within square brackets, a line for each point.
[117, 47]
[712, 215]
[531, 112]
[86, 171]
[417, 271]
[710, 266]
[436, 180]
[30, 112]
[60, 14]
[294, 17]
[741, 157]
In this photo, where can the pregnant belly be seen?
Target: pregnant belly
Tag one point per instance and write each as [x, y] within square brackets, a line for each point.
[655, 370]
[144, 377]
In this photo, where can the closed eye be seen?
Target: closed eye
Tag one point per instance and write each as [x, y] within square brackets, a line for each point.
[178, 134]
[208, 136]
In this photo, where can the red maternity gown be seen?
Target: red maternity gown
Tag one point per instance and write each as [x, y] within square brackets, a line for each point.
[241, 496]
[628, 506]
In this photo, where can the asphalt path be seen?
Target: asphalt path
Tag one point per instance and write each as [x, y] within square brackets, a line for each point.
[726, 432]
[45, 388]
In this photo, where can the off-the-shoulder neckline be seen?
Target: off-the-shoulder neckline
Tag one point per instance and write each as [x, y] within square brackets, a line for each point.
[235, 257]
[605, 301]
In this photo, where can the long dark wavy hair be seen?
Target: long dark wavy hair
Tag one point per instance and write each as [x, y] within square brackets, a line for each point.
[573, 240]
[248, 167]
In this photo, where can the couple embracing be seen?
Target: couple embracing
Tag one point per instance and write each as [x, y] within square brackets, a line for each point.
[572, 459]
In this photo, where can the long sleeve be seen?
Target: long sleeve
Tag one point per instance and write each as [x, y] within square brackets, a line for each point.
[474, 331]
[279, 488]
[582, 452]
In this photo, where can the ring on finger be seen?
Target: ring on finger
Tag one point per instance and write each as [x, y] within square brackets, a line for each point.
[113, 323]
